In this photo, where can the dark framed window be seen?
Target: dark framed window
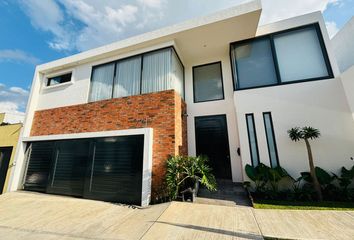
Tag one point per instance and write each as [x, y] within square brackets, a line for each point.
[254, 63]
[252, 139]
[208, 82]
[59, 79]
[290, 56]
[152, 71]
[271, 142]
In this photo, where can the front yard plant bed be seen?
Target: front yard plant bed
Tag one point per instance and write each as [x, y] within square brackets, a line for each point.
[303, 205]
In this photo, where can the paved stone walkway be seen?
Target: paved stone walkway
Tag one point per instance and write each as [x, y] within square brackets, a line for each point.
[34, 216]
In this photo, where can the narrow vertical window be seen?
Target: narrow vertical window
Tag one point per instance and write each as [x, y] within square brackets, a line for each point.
[272, 147]
[252, 139]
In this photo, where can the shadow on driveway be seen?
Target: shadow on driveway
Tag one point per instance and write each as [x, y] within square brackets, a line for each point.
[214, 230]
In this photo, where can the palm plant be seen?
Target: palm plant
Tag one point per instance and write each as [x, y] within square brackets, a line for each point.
[306, 134]
[184, 171]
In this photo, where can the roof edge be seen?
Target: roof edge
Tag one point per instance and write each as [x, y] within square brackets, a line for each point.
[243, 8]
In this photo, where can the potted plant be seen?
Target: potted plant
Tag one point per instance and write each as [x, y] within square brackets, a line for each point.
[184, 174]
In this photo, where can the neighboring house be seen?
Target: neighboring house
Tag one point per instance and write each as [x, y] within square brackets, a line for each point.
[10, 128]
[343, 46]
[102, 123]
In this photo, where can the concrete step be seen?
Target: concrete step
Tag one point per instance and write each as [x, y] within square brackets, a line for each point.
[227, 194]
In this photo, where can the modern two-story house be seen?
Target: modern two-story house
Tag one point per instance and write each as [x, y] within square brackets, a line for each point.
[102, 123]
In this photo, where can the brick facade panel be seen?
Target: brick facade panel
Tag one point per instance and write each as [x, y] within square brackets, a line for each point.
[162, 111]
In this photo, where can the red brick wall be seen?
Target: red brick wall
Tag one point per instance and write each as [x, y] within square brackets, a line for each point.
[162, 111]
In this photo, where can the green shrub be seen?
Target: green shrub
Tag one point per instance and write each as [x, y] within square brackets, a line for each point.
[266, 181]
[184, 172]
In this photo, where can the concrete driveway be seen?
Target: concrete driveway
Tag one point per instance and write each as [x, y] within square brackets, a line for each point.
[25, 215]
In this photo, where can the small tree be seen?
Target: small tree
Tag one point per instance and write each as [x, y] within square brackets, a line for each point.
[307, 133]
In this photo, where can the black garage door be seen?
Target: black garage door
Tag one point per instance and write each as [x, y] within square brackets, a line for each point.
[108, 169]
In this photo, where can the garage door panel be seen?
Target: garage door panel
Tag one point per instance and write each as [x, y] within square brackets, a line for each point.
[117, 169]
[108, 169]
[40, 156]
[69, 167]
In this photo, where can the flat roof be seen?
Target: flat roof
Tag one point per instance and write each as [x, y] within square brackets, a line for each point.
[204, 35]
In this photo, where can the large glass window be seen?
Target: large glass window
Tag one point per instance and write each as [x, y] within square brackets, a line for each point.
[299, 55]
[127, 79]
[177, 74]
[254, 64]
[280, 58]
[272, 147]
[102, 82]
[207, 82]
[252, 139]
[155, 71]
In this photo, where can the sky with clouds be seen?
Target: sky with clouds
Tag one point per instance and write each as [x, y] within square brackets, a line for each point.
[38, 31]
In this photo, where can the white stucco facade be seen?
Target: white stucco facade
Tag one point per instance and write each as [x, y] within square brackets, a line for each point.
[343, 47]
[322, 104]
[348, 86]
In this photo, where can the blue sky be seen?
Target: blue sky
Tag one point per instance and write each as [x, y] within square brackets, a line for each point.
[38, 31]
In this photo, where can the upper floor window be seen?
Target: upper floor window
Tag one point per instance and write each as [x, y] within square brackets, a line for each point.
[149, 72]
[279, 58]
[254, 63]
[59, 79]
[207, 82]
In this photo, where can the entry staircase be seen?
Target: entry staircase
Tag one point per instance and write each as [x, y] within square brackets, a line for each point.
[228, 194]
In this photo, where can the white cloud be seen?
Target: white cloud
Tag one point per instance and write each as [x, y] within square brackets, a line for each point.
[17, 56]
[102, 23]
[332, 28]
[123, 15]
[48, 16]
[13, 99]
[84, 24]
[18, 90]
[151, 3]
[9, 107]
[289, 8]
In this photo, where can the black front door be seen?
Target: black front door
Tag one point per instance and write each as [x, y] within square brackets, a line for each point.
[5, 155]
[212, 141]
